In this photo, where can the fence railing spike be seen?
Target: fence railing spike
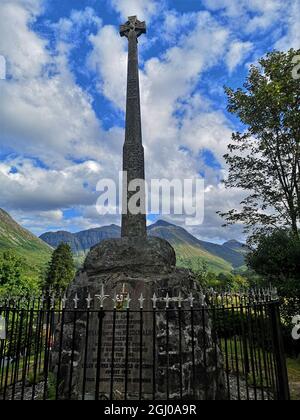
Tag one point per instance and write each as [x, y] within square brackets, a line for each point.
[180, 300]
[115, 301]
[167, 300]
[52, 301]
[128, 300]
[191, 300]
[76, 300]
[89, 300]
[274, 293]
[202, 298]
[141, 301]
[154, 301]
[64, 301]
[102, 296]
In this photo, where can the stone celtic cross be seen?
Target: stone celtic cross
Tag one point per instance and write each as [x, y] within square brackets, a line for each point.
[133, 25]
[133, 224]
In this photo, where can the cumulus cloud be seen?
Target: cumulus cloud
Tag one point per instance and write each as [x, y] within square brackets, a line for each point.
[292, 37]
[23, 49]
[109, 60]
[250, 15]
[238, 52]
[27, 186]
[43, 112]
[143, 9]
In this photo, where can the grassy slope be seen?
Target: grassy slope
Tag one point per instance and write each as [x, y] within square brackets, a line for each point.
[13, 237]
[187, 250]
[215, 264]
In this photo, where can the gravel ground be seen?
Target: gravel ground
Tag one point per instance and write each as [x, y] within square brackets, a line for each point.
[39, 392]
[235, 395]
[243, 394]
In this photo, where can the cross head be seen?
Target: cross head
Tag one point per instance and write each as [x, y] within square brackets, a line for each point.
[133, 24]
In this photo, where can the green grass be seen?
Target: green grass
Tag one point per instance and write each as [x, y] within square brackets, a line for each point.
[23, 243]
[293, 366]
[192, 254]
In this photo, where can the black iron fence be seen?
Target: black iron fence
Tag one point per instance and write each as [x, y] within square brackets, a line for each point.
[225, 346]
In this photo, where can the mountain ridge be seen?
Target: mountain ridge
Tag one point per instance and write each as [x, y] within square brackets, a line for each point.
[218, 257]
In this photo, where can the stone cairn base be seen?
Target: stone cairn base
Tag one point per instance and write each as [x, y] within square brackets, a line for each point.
[148, 314]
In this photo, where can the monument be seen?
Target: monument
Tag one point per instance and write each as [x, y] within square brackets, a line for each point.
[133, 152]
[126, 341]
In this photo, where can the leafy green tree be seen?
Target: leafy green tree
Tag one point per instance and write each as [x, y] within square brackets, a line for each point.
[232, 281]
[11, 268]
[61, 269]
[13, 281]
[200, 269]
[264, 160]
[277, 259]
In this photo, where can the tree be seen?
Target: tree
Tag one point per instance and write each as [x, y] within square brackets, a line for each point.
[277, 259]
[61, 269]
[11, 268]
[264, 160]
[232, 281]
[13, 281]
[200, 269]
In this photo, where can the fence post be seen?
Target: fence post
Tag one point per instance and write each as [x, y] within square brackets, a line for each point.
[279, 353]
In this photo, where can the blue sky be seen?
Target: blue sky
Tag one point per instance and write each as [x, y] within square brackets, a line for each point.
[62, 104]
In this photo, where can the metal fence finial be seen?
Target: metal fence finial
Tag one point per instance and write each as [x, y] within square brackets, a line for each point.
[128, 300]
[202, 298]
[76, 300]
[52, 301]
[102, 296]
[191, 300]
[167, 300]
[89, 300]
[141, 300]
[64, 301]
[154, 301]
[180, 300]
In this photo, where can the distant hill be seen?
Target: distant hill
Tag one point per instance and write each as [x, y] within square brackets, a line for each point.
[236, 246]
[218, 257]
[14, 237]
[81, 242]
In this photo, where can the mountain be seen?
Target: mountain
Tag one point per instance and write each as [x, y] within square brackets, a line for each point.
[219, 258]
[14, 237]
[236, 246]
[81, 242]
[187, 246]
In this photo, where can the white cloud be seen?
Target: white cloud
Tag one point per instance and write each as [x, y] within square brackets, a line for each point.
[42, 114]
[238, 52]
[109, 60]
[26, 186]
[292, 37]
[143, 9]
[68, 29]
[251, 15]
[23, 49]
[53, 215]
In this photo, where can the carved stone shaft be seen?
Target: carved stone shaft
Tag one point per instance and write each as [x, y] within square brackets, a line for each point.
[133, 152]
